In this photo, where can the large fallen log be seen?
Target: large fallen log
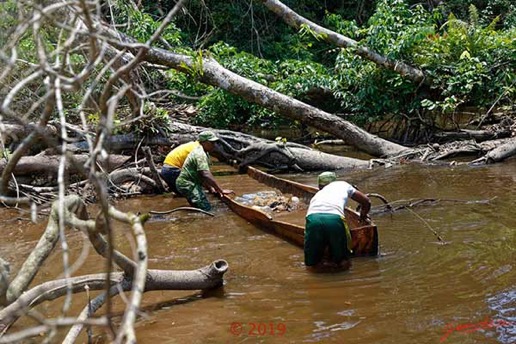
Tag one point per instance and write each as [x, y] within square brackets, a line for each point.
[208, 277]
[500, 153]
[467, 134]
[42, 169]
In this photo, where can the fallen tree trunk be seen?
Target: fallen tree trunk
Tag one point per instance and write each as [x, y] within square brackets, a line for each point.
[503, 152]
[212, 73]
[492, 151]
[246, 149]
[235, 147]
[208, 277]
[477, 135]
[13, 134]
[44, 167]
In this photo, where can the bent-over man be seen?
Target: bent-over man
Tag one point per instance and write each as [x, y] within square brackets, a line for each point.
[326, 226]
[196, 173]
[173, 163]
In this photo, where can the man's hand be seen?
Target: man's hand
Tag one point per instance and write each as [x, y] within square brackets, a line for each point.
[365, 205]
[365, 218]
[227, 192]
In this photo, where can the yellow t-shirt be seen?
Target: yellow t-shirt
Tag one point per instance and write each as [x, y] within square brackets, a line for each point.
[177, 156]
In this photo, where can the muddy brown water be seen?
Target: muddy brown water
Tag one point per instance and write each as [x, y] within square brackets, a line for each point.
[417, 291]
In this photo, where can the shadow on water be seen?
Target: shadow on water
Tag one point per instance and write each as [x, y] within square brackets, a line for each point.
[417, 291]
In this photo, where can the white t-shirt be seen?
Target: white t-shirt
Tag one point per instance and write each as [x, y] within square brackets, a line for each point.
[331, 199]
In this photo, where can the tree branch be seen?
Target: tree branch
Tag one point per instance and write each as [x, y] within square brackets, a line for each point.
[296, 21]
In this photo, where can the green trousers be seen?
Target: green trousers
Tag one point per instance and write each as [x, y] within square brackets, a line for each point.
[326, 231]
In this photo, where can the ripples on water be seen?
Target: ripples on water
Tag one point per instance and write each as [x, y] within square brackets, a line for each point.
[416, 291]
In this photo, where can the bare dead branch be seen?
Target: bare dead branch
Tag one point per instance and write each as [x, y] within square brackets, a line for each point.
[154, 212]
[154, 171]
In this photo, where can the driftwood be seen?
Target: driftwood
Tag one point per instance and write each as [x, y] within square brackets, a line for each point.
[329, 142]
[13, 134]
[467, 134]
[408, 205]
[208, 277]
[502, 152]
[245, 150]
[45, 167]
[492, 151]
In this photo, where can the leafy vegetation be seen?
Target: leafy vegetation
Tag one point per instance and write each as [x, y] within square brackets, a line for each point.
[470, 61]
[471, 64]
[466, 50]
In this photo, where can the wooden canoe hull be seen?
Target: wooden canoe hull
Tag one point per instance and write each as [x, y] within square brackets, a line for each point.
[364, 235]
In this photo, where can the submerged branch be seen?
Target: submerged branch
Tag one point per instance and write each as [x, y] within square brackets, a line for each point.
[398, 205]
[155, 212]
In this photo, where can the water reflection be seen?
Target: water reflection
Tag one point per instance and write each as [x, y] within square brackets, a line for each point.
[504, 306]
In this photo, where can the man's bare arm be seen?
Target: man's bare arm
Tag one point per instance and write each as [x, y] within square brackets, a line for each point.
[365, 203]
[210, 181]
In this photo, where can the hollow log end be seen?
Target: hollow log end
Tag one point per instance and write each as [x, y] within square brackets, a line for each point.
[219, 267]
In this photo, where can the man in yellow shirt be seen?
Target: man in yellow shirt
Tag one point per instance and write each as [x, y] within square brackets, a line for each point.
[196, 173]
[174, 162]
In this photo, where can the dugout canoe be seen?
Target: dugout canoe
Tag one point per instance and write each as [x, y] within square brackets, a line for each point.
[364, 234]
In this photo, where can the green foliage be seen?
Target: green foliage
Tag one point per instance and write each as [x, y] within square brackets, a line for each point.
[488, 10]
[306, 30]
[223, 110]
[5, 153]
[141, 25]
[337, 23]
[281, 140]
[196, 70]
[291, 77]
[187, 84]
[369, 92]
[8, 22]
[243, 63]
[51, 38]
[296, 78]
[155, 120]
[468, 52]
[470, 64]
[395, 29]
[93, 119]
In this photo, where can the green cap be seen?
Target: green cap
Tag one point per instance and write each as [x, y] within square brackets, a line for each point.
[207, 136]
[326, 178]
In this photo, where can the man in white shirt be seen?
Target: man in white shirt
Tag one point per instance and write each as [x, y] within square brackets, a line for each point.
[326, 226]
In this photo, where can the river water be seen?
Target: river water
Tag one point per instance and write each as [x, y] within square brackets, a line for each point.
[417, 291]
